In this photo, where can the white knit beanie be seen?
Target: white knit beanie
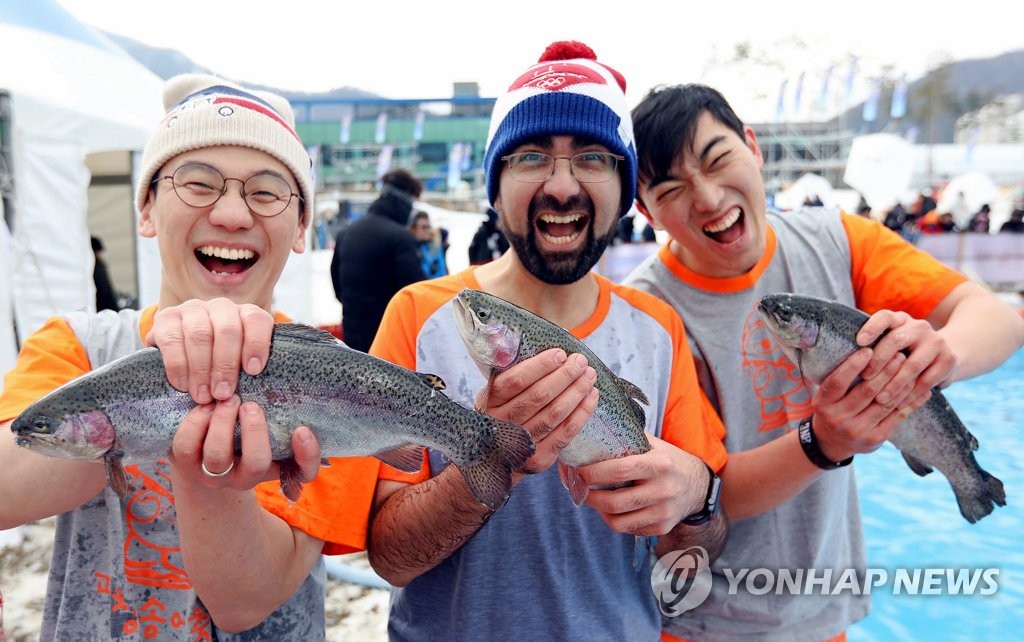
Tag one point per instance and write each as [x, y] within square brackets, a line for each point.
[206, 111]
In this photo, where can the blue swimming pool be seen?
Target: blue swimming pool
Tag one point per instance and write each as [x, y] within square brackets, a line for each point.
[913, 523]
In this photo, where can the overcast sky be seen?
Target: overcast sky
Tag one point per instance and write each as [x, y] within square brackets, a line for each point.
[417, 49]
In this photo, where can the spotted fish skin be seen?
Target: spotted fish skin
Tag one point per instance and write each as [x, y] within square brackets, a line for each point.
[818, 334]
[499, 334]
[356, 405]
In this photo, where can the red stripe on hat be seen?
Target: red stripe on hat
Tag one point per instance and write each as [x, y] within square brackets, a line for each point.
[248, 104]
[555, 76]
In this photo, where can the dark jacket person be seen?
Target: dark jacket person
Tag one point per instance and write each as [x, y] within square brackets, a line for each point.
[374, 257]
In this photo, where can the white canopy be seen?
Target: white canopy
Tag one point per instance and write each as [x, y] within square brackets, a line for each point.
[72, 92]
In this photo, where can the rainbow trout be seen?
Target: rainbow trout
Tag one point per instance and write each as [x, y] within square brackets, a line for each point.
[819, 334]
[500, 334]
[356, 404]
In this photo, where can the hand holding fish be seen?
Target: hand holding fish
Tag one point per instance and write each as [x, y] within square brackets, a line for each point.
[648, 494]
[848, 420]
[930, 360]
[552, 395]
[205, 442]
[205, 343]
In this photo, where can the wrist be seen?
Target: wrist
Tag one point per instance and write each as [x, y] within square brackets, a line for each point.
[709, 508]
[812, 449]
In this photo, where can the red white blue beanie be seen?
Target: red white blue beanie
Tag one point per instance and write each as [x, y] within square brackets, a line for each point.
[206, 111]
[568, 93]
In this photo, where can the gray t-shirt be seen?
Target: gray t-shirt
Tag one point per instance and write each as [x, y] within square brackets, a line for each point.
[759, 396]
[117, 571]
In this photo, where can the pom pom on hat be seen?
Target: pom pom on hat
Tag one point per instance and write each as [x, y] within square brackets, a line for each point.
[206, 111]
[568, 92]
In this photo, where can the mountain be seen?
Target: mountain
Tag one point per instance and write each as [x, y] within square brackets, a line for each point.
[169, 62]
[935, 101]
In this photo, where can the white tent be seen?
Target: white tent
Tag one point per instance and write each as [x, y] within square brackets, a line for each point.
[72, 92]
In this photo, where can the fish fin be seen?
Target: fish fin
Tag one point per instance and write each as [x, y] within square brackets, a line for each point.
[491, 479]
[916, 465]
[304, 333]
[641, 545]
[325, 462]
[291, 478]
[432, 380]
[974, 506]
[116, 476]
[407, 458]
[578, 489]
[632, 390]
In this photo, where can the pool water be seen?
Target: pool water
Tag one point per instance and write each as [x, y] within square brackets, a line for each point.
[912, 522]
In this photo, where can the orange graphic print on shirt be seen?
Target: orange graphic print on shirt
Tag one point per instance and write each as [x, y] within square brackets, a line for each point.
[776, 382]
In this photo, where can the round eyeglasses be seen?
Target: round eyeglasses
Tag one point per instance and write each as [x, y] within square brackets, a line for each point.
[587, 167]
[200, 185]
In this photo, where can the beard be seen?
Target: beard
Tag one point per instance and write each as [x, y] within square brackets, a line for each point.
[559, 268]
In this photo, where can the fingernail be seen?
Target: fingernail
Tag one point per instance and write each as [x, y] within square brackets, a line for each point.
[254, 366]
[883, 398]
[594, 393]
[182, 384]
[579, 360]
[560, 357]
[204, 392]
[590, 374]
[222, 390]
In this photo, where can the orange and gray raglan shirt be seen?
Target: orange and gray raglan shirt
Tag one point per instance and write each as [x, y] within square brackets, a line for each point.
[759, 394]
[541, 568]
[117, 571]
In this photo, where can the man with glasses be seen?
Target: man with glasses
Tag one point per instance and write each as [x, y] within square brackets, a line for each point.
[560, 166]
[198, 547]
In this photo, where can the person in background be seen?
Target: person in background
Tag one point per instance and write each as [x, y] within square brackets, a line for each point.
[374, 257]
[106, 297]
[980, 221]
[432, 252]
[559, 166]
[1015, 223]
[788, 487]
[488, 242]
[198, 548]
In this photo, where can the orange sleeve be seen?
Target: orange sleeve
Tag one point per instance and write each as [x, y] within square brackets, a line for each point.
[888, 273]
[51, 356]
[334, 507]
[690, 420]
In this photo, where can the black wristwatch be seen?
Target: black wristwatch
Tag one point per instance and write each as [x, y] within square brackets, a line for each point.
[710, 508]
[810, 445]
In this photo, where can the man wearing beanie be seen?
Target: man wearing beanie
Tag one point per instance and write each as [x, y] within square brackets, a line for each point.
[376, 256]
[560, 166]
[192, 551]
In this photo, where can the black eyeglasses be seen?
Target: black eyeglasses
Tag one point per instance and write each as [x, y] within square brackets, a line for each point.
[200, 185]
[587, 167]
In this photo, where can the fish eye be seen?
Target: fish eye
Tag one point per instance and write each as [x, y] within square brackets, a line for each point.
[483, 314]
[40, 423]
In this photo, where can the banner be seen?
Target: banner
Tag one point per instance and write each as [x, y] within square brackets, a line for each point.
[851, 74]
[417, 126]
[382, 125]
[798, 96]
[384, 161]
[346, 127]
[823, 93]
[871, 104]
[780, 106]
[455, 165]
[899, 98]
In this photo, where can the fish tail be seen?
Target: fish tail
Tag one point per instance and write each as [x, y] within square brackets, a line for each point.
[490, 480]
[116, 476]
[573, 482]
[982, 498]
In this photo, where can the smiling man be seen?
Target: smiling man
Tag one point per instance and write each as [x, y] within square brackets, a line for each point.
[227, 192]
[560, 166]
[788, 485]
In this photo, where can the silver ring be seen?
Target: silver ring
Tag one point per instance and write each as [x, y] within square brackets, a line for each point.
[206, 471]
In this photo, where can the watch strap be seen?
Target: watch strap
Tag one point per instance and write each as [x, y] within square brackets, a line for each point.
[711, 499]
